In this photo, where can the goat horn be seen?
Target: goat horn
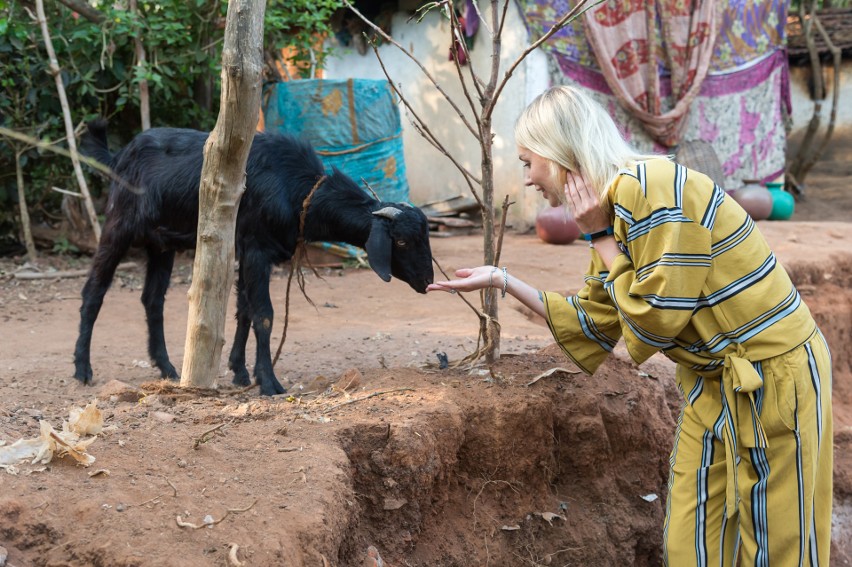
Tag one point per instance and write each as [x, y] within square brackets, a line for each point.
[387, 212]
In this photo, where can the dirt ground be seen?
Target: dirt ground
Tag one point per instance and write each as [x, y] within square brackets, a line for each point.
[377, 446]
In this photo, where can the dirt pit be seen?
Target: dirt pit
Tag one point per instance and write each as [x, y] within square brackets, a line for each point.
[377, 452]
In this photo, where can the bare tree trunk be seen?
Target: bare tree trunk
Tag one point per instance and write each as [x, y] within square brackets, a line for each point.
[807, 157]
[482, 99]
[144, 99]
[809, 152]
[489, 325]
[32, 255]
[222, 185]
[69, 126]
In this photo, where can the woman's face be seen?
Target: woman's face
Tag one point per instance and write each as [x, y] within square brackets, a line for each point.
[538, 174]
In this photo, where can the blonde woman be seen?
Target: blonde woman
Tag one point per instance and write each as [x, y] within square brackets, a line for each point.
[678, 267]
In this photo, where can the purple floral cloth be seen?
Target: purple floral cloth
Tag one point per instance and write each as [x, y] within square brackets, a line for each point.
[748, 74]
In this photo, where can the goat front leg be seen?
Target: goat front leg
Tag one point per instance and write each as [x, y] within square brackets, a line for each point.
[157, 276]
[110, 251]
[237, 360]
[257, 270]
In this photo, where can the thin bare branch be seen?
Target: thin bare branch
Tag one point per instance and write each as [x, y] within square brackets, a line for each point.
[424, 131]
[503, 18]
[581, 7]
[506, 205]
[66, 114]
[432, 79]
[796, 169]
[482, 20]
[84, 9]
[144, 98]
[469, 178]
[836, 53]
[457, 34]
[52, 147]
[496, 49]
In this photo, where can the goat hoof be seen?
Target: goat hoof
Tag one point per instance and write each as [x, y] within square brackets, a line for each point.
[241, 378]
[272, 389]
[168, 371]
[83, 375]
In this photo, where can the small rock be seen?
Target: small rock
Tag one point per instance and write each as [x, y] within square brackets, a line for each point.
[241, 410]
[120, 391]
[349, 380]
[394, 503]
[163, 416]
[317, 384]
[120, 507]
[373, 558]
[34, 413]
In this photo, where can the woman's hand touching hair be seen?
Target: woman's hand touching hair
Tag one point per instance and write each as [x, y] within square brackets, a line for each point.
[584, 202]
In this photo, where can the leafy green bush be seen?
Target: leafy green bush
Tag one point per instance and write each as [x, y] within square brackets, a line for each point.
[182, 41]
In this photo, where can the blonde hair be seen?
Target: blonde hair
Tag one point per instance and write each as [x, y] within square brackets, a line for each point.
[571, 130]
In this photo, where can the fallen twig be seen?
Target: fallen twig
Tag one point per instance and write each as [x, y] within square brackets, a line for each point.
[183, 524]
[549, 372]
[64, 274]
[244, 390]
[155, 498]
[203, 437]
[232, 556]
[374, 394]
[304, 476]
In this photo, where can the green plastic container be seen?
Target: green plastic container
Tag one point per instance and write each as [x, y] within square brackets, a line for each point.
[783, 203]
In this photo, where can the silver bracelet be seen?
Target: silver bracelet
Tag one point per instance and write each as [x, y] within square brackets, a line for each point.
[505, 281]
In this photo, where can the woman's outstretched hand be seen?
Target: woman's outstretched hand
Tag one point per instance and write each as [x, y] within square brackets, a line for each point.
[483, 277]
[585, 205]
[470, 279]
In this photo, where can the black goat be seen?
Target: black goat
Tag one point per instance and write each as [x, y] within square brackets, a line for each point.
[153, 203]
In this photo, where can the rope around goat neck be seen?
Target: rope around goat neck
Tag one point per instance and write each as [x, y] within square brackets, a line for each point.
[299, 254]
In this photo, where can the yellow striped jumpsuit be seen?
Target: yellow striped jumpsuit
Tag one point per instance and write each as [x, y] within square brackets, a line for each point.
[751, 467]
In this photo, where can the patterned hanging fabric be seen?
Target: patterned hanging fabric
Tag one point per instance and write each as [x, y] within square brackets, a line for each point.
[633, 39]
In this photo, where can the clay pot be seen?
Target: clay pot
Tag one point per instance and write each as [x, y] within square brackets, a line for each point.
[756, 200]
[556, 225]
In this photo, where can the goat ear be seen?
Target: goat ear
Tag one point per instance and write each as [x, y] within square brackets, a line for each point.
[379, 248]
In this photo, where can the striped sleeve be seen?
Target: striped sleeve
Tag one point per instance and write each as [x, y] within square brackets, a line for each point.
[586, 326]
[657, 285]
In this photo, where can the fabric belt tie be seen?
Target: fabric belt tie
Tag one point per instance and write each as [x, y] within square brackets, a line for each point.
[739, 382]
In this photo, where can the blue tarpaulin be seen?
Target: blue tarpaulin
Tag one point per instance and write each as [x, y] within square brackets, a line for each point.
[353, 124]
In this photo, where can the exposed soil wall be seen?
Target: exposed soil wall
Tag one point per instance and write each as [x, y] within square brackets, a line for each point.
[431, 467]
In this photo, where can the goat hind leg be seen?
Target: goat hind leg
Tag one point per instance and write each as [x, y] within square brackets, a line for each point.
[111, 249]
[256, 279]
[157, 276]
[237, 359]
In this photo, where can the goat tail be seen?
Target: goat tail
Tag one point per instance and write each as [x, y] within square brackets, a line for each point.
[94, 143]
